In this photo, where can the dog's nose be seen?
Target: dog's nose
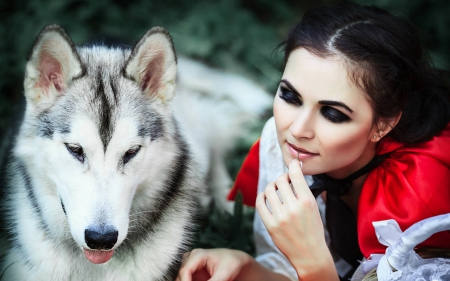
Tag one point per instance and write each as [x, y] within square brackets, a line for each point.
[101, 239]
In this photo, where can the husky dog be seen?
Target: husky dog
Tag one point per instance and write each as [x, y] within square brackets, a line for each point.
[102, 184]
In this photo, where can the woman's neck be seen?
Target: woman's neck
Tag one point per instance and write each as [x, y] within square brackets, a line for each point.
[352, 198]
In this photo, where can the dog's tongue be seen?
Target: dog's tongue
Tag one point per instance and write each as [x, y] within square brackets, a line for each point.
[98, 257]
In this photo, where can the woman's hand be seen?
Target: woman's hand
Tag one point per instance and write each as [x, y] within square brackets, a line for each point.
[224, 265]
[295, 225]
[212, 264]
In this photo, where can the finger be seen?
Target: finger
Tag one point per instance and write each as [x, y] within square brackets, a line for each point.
[193, 264]
[285, 189]
[298, 181]
[261, 207]
[272, 197]
[185, 258]
[183, 277]
[222, 274]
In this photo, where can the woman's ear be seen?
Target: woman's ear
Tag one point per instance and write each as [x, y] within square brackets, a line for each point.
[384, 126]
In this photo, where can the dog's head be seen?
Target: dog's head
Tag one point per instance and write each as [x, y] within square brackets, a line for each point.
[96, 131]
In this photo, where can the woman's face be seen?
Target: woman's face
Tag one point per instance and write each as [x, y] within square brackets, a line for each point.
[322, 118]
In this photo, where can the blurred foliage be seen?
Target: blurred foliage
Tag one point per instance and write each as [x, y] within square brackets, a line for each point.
[224, 230]
[238, 36]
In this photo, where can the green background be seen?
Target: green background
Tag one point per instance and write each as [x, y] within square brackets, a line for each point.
[237, 36]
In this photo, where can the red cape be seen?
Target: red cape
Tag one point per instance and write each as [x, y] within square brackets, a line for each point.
[247, 178]
[412, 184]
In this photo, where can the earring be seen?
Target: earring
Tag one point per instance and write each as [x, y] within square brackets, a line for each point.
[374, 136]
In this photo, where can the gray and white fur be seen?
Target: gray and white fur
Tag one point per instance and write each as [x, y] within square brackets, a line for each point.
[100, 166]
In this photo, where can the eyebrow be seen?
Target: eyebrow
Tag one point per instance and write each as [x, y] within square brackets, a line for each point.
[336, 103]
[322, 102]
[289, 85]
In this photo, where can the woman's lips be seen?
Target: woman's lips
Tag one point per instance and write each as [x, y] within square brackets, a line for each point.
[300, 153]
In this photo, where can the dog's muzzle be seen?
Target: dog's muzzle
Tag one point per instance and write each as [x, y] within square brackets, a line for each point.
[100, 242]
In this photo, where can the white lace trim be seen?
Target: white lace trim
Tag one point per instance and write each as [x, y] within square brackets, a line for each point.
[430, 270]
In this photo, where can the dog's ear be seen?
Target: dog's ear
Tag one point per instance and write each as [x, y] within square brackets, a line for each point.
[153, 65]
[52, 65]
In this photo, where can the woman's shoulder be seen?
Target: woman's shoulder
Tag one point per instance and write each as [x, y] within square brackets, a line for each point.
[437, 147]
[421, 170]
[410, 185]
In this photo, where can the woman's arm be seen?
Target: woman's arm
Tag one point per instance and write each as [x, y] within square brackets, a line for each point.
[295, 225]
[224, 265]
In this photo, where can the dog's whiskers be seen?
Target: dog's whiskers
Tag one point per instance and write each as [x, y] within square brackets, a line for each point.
[142, 212]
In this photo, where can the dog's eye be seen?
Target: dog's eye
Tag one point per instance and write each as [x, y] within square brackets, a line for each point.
[76, 151]
[130, 153]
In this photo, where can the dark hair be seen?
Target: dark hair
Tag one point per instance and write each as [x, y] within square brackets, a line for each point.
[384, 58]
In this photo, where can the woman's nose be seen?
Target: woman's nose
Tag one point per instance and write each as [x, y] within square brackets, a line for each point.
[303, 125]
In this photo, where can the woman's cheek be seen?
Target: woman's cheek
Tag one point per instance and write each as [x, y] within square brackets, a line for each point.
[284, 116]
[277, 108]
[335, 139]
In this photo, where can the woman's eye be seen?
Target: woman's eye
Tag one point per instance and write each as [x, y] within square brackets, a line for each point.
[76, 151]
[333, 114]
[289, 96]
[130, 154]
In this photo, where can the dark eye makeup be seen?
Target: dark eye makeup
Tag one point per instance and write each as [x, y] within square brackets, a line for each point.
[292, 97]
[333, 114]
[289, 96]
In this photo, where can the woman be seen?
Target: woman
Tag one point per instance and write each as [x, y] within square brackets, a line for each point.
[359, 108]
